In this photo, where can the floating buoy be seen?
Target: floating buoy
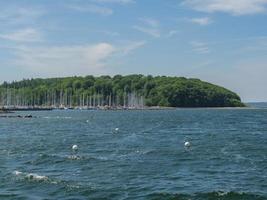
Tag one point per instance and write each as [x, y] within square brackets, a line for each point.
[187, 144]
[117, 129]
[75, 147]
[87, 121]
[17, 173]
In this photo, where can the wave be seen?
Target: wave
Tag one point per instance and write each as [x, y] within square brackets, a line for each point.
[37, 178]
[207, 196]
[30, 176]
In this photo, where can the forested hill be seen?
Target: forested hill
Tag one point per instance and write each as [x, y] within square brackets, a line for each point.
[119, 90]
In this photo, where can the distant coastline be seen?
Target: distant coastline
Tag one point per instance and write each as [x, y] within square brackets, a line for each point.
[118, 92]
[12, 110]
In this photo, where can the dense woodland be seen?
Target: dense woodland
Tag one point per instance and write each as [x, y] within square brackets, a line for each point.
[127, 91]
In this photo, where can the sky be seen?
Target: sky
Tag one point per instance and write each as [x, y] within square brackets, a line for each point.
[220, 41]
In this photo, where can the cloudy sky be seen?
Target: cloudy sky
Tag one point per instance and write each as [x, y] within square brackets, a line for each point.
[220, 41]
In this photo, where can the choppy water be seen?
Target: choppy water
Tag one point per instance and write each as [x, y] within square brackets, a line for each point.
[145, 159]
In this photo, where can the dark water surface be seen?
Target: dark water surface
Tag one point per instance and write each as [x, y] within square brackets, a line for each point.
[145, 159]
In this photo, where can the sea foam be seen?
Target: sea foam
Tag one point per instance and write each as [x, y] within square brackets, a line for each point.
[30, 176]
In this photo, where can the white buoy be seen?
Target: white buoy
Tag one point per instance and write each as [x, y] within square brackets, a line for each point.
[117, 129]
[87, 121]
[17, 173]
[187, 144]
[75, 147]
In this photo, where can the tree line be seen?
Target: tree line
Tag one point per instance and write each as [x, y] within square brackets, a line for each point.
[131, 90]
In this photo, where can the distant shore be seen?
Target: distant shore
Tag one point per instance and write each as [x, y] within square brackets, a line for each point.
[5, 110]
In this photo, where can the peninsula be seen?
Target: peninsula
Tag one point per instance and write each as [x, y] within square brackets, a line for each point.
[131, 91]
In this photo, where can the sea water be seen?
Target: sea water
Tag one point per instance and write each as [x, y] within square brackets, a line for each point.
[135, 155]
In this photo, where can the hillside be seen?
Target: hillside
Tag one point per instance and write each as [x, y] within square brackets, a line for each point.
[130, 91]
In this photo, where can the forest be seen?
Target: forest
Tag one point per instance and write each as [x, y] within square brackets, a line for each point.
[117, 91]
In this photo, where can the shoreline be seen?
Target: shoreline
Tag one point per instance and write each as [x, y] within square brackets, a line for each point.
[14, 109]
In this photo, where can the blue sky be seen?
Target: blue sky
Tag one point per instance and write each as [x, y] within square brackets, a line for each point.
[220, 41]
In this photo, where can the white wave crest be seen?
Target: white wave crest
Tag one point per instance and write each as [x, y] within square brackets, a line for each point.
[31, 176]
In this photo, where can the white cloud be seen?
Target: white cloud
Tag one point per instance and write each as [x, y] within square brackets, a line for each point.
[92, 9]
[234, 7]
[200, 47]
[150, 31]
[149, 26]
[69, 60]
[20, 15]
[24, 35]
[65, 60]
[203, 21]
[132, 46]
